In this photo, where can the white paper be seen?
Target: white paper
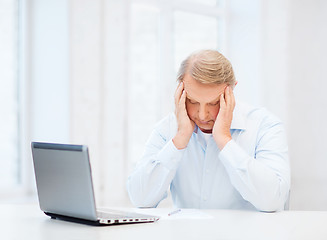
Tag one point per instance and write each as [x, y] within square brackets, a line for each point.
[182, 214]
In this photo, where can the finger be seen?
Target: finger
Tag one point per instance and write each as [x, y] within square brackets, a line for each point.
[177, 97]
[182, 101]
[222, 101]
[178, 93]
[179, 84]
[228, 96]
[232, 97]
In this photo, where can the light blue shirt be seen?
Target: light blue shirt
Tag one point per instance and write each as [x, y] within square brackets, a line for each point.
[251, 172]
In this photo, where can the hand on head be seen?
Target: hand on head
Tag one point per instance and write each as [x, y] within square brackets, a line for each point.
[185, 124]
[221, 129]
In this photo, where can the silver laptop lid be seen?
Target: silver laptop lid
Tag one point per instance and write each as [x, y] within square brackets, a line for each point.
[64, 180]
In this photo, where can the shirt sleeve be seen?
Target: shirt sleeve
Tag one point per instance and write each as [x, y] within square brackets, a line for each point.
[262, 179]
[149, 183]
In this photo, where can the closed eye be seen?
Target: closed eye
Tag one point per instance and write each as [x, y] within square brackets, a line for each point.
[192, 102]
[214, 104]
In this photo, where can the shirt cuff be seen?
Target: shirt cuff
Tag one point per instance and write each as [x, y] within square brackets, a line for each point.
[232, 155]
[170, 156]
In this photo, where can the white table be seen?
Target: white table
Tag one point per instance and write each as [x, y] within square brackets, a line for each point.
[28, 222]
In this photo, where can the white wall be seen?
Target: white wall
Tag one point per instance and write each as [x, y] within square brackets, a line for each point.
[293, 85]
[308, 104]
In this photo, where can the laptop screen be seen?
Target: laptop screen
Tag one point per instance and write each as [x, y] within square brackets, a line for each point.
[64, 180]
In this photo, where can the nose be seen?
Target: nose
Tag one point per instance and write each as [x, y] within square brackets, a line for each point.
[202, 113]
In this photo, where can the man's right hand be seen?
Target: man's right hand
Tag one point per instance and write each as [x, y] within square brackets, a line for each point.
[185, 124]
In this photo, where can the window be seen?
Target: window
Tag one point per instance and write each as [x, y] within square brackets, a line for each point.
[9, 102]
[161, 35]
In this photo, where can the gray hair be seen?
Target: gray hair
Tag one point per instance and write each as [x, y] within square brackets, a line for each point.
[207, 67]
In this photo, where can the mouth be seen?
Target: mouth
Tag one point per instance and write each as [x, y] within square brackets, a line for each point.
[204, 122]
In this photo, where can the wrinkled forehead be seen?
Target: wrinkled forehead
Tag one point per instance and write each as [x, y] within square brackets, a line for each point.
[202, 92]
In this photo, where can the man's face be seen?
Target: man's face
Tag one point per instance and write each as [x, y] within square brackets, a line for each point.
[202, 102]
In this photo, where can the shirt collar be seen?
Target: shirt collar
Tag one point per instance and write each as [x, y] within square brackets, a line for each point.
[196, 129]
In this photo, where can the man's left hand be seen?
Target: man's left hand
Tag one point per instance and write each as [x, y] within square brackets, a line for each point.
[221, 128]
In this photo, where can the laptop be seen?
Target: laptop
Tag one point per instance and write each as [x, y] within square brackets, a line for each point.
[65, 189]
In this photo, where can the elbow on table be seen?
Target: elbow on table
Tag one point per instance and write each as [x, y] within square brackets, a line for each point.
[271, 204]
[269, 208]
[272, 199]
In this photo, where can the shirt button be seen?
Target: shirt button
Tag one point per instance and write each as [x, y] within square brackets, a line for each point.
[205, 199]
[207, 171]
